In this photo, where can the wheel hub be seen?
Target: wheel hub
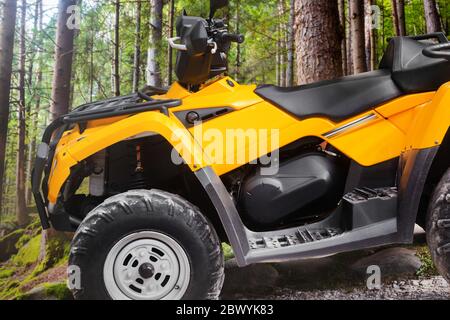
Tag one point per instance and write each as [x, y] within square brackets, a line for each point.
[146, 270]
[147, 266]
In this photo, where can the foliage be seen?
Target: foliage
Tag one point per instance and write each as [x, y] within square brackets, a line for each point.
[58, 290]
[56, 252]
[27, 269]
[29, 253]
[6, 273]
[227, 252]
[428, 268]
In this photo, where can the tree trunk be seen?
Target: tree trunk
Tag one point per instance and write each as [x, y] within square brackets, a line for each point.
[343, 22]
[358, 42]
[153, 67]
[395, 16]
[290, 46]
[277, 60]
[371, 55]
[238, 47]
[137, 49]
[401, 17]
[318, 40]
[432, 16]
[171, 34]
[21, 207]
[398, 17]
[91, 42]
[383, 27]
[32, 48]
[282, 42]
[373, 44]
[8, 9]
[350, 68]
[34, 114]
[61, 90]
[63, 62]
[116, 67]
[33, 143]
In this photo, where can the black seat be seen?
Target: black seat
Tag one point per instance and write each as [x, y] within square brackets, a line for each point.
[403, 70]
[411, 70]
[336, 99]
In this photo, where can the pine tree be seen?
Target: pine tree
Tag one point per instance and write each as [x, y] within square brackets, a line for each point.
[358, 36]
[7, 32]
[318, 40]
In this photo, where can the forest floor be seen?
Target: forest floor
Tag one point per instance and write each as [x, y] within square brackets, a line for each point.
[407, 272]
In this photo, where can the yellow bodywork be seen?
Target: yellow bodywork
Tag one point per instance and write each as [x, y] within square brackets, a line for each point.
[416, 121]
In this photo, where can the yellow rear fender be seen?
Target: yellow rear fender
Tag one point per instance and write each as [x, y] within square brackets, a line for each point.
[431, 122]
[75, 147]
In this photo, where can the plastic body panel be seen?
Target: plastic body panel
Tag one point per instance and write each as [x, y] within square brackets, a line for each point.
[305, 185]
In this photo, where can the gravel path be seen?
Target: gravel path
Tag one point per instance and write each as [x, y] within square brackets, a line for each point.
[341, 277]
[435, 288]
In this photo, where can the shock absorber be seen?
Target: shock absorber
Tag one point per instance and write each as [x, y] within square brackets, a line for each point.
[139, 181]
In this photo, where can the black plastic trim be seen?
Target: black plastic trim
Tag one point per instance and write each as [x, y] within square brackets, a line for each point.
[43, 157]
[231, 221]
[416, 167]
[204, 115]
[436, 35]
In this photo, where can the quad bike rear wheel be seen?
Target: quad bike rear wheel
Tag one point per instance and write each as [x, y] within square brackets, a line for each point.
[147, 245]
[438, 226]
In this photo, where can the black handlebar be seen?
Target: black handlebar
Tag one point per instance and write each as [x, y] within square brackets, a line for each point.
[230, 37]
[437, 51]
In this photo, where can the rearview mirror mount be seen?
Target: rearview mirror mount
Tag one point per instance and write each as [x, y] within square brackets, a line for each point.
[216, 5]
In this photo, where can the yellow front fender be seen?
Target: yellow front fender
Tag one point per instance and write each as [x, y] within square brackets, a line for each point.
[75, 147]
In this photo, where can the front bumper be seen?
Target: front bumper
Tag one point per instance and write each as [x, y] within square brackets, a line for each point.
[42, 165]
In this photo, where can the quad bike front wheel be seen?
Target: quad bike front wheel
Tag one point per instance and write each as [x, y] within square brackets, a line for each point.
[438, 226]
[147, 245]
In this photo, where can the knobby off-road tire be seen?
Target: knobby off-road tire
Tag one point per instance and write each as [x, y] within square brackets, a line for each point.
[438, 226]
[147, 233]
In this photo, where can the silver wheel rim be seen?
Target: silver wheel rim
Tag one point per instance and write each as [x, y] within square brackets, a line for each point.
[146, 266]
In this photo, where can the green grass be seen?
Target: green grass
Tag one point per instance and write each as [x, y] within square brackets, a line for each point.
[428, 268]
[6, 273]
[57, 290]
[227, 252]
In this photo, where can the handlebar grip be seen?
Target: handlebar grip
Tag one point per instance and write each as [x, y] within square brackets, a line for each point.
[238, 38]
[436, 51]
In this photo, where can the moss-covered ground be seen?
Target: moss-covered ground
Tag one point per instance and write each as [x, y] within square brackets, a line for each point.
[33, 266]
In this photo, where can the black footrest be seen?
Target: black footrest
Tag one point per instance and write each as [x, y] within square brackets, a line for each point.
[300, 237]
[365, 206]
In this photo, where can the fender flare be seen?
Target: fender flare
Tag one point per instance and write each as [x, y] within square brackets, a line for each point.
[96, 139]
[415, 166]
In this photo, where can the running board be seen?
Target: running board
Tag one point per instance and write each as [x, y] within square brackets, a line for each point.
[365, 218]
[300, 237]
[378, 234]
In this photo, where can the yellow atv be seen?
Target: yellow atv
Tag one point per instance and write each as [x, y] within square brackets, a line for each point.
[278, 173]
